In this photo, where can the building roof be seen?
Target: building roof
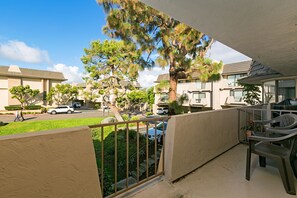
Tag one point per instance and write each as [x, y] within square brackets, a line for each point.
[236, 68]
[259, 73]
[15, 71]
[162, 77]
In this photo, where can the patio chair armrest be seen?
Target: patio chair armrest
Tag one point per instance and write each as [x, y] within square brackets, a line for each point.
[280, 130]
[263, 122]
[274, 139]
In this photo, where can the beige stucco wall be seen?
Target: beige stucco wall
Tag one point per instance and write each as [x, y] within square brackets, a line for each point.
[53, 83]
[194, 139]
[11, 83]
[58, 163]
[3, 92]
[33, 83]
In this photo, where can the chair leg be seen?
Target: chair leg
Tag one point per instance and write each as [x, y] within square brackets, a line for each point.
[248, 165]
[294, 166]
[262, 161]
[286, 175]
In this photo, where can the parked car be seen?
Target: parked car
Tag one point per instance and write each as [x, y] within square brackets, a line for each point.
[159, 132]
[287, 104]
[61, 109]
[162, 110]
[105, 107]
[76, 105]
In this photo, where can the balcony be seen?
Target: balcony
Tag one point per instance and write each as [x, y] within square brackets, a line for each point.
[201, 102]
[200, 157]
[222, 177]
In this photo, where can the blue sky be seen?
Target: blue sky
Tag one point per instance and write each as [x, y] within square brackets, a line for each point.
[52, 34]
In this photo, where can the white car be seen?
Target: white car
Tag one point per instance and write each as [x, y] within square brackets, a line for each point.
[162, 110]
[61, 109]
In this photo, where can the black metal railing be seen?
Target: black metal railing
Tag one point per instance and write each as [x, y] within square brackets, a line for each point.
[129, 153]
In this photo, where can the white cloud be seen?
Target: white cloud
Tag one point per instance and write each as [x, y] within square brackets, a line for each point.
[72, 73]
[222, 52]
[147, 77]
[20, 51]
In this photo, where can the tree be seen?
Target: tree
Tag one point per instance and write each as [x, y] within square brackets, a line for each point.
[162, 86]
[177, 44]
[110, 63]
[24, 94]
[150, 96]
[62, 94]
[137, 97]
[252, 94]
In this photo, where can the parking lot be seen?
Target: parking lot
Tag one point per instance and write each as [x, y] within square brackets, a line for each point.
[77, 114]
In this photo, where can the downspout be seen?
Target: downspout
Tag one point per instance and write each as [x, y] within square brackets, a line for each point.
[211, 96]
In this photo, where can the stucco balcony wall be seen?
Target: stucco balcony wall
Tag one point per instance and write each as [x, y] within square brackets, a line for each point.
[194, 139]
[58, 163]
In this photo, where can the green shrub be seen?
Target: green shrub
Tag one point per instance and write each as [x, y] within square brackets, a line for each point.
[97, 106]
[134, 118]
[13, 107]
[125, 117]
[44, 110]
[149, 113]
[33, 107]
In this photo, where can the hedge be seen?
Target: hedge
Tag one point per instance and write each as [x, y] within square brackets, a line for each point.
[13, 107]
[18, 107]
[33, 107]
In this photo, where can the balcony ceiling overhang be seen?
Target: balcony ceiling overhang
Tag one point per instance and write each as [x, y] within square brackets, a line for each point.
[264, 30]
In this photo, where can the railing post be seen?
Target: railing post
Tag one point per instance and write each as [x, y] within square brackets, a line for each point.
[137, 153]
[127, 154]
[115, 158]
[102, 159]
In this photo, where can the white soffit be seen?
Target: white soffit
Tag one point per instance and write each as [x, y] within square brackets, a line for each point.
[265, 30]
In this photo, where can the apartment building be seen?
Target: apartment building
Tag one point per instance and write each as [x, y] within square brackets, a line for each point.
[223, 93]
[90, 96]
[13, 75]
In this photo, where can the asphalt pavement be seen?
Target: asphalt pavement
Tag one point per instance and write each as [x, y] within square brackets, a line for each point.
[77, 114]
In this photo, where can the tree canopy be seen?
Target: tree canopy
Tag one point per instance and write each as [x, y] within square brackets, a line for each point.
[252, 94]
[154, 32]
[150, 96]
[24, 94]
[111, 65]
[62, 94]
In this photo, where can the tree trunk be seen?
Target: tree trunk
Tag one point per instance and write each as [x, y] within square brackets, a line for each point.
[172, 81]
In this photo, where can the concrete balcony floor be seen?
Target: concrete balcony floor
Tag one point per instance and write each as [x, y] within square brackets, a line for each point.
[221, 177]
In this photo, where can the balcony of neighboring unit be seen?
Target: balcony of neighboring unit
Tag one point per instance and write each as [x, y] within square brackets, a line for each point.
[232, 101]
[201, 102]
[163, 100]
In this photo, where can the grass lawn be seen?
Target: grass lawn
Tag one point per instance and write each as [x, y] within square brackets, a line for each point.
[33, 126]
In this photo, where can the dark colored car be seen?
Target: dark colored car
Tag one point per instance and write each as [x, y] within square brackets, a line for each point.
[288, 104]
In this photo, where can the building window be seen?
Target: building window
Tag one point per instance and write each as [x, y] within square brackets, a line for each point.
[237, 94]
[200, 85]
[233, 79]
[286, 89]
[269, 92]
[164, 97]
[198, 96]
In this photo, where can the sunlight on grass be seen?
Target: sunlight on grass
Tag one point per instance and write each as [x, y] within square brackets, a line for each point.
[43, 125]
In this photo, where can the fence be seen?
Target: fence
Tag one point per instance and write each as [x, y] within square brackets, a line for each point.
[129, 153]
